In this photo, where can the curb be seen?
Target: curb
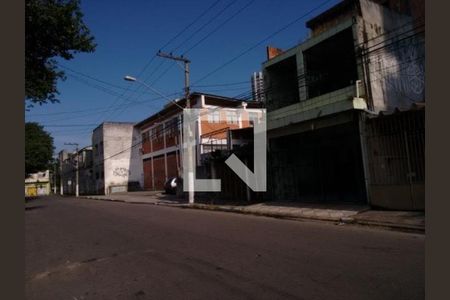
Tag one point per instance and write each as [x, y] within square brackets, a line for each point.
[392, 226]
[338, 221]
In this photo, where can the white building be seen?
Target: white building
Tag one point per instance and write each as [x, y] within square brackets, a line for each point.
[117, 158]
[37, 184]
[258, 86]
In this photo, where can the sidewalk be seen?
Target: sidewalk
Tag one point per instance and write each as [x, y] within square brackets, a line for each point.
[338, 213]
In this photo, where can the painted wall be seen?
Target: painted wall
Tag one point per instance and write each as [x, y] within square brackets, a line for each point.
[396, 59]
[121, 157]
[38, 184]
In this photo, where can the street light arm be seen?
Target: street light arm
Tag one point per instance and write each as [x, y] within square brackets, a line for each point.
[133, 79]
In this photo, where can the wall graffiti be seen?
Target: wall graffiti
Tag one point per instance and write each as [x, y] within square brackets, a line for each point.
[402, 74]
[121, 172]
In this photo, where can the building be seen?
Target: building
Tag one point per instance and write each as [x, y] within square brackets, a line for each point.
[117, 163]
[161, 134]
[68, 171]
[38, 184]
[258, 86]
[362, 58]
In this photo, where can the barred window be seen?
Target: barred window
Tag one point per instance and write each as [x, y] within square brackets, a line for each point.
[172, 127]
[214, 117]
[145, 136]
[232, 117]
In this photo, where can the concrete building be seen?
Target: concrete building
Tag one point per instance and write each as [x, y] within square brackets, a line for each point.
[117, 163]
[258, 86]
[38, 184]
[67, 173]
[162, 135]
[362, 58]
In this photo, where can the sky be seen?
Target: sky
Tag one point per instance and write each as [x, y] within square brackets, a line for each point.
[231, 35]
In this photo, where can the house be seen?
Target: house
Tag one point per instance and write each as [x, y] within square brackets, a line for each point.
[117, 163]
[162, 139]
[38, 184]
[362, 58]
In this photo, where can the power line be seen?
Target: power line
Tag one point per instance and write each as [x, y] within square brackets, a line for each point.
[262, 41]
[222, 84]
[219, 26]
[166, 44]
[190, 25]
[204, 25]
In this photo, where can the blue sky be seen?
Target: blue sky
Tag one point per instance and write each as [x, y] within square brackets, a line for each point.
[129, 33]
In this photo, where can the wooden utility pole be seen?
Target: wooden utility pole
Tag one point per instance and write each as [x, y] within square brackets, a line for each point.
[190, 157]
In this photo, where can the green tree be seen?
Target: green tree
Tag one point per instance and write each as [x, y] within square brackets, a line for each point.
[38, 148]
[53, 28]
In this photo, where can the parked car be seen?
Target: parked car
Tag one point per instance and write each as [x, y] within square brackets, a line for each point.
[170, 186]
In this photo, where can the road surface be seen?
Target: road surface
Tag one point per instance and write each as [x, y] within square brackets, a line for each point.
[89, 249]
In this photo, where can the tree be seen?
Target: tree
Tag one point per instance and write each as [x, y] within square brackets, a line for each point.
[38, 148]
[53, 28]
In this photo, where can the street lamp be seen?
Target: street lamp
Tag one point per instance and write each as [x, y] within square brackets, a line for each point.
[134, 79]
[129, 78]
[190, 154]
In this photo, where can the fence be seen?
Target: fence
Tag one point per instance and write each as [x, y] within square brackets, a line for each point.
[396, 160]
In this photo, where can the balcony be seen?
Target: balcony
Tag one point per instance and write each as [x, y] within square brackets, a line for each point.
[334, 102]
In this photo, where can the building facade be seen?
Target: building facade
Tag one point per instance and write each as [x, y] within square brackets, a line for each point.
[258, 86]
[362, 58]
[117, 163]
[68, 170]
[162, 139]
[38, 184]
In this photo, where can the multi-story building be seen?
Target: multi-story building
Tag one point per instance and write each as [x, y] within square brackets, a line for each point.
[162, 133]
[258, 86]
[68, 169]
[117, 163]
[362, 58]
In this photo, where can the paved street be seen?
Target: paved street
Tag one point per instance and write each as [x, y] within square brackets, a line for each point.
[89, 249]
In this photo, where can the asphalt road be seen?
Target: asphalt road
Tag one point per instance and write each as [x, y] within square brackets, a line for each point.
[88, 249]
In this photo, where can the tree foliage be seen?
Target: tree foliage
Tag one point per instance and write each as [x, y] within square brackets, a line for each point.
[53, 28]
[38, 148]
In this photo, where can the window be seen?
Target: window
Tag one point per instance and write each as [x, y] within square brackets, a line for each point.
[232, 117]
[172, 127]
[145, 136]
[214, 117]
[158, 132]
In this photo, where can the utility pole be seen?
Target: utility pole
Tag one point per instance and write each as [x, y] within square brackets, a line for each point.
[54, 177]
[190, 155]
[61, 180]
[76, 168]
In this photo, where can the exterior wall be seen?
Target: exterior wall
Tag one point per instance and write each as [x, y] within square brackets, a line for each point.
[389, 57]
[395, 56]
[38, 184]
[161, 150]
[119, 157]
